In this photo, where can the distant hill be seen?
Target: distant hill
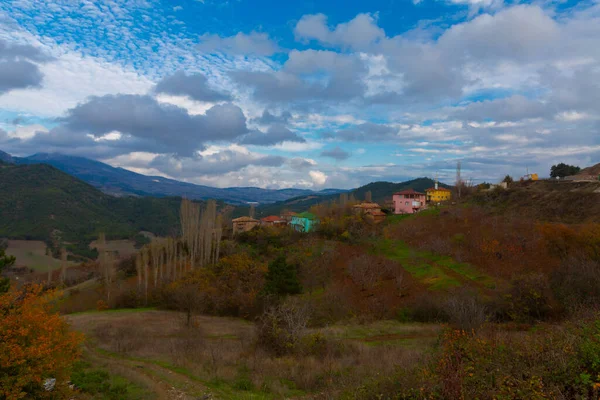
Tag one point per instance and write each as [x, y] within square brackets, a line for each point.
[6, 158]
[380, 192]
[120, 182]
[39, 199]
[594, 170]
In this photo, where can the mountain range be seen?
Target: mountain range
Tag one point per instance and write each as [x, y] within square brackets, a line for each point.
[122, 182]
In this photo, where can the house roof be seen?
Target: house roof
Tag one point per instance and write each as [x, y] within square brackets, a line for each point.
[244, 219]
[440, 189]
[409, 191]
[378, 213]
[367, 205]
[306, 215]
[271, 218]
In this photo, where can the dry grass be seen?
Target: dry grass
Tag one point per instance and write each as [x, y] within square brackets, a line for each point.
[124, 248]
[222, 351]
[31, 254]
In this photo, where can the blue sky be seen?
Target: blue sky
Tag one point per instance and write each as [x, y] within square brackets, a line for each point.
[303, 94]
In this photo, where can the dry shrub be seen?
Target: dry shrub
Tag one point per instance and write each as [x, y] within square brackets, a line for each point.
[281, 328]
[427, 308]
[576, 283]
[529, 299]
[465, 312]
[121, 339]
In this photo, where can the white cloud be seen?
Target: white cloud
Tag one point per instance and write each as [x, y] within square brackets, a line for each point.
[318, 177]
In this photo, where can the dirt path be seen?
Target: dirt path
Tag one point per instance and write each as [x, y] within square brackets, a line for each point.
[164, 383]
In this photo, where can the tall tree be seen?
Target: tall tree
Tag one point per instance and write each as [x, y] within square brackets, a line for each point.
[63, 265]
[368, 197]
[561, 170]
[282, 278]
[6, 261]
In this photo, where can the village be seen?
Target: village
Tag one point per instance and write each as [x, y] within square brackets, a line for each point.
[407, 201]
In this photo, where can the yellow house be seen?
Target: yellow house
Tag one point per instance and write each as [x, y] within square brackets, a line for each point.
[438, 194]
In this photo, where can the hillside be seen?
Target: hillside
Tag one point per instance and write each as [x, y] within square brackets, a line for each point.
[550, 201]
[380, 192]
[594, 170]
[39, 199]
[119, 182]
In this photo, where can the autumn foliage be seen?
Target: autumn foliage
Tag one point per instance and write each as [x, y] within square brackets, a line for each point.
[35, 344]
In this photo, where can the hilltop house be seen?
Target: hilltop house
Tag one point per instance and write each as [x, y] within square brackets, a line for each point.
[371, 210]
[408, 201]
[287, 216]
[273, 220]
[244, 224]
[304, 222]
[438, 194]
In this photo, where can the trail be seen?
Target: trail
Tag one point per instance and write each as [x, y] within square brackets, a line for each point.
[164, 383]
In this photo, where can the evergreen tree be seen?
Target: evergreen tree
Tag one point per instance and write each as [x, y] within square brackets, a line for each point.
[561, 170]
[5, 262]
[282, 278]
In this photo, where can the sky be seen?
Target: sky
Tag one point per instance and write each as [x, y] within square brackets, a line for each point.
[305, 94]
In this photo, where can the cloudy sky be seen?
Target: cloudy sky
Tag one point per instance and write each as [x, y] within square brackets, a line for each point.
[312, 94]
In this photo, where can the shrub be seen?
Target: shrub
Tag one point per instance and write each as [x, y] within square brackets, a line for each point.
[464, 311]
[35, 344]
[576, 283]
[529, 298]
[281, 328]
[282, 278]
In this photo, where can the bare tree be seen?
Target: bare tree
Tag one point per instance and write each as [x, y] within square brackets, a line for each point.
[106, 264]
[368, 197]
[63, 265]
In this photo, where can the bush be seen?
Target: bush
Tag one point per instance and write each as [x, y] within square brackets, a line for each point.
[576, 283]
[427, 308]
[281, 328]
[48, 350]
[529, 298]
[464, 311]
[282, 278]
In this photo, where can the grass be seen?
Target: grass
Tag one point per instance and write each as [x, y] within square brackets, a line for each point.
[100, 384]
[419, 264]
[115, 311]
[433, 270]
[32, 254]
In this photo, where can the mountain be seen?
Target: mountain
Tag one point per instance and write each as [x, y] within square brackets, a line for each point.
[39, 200]
[6, 158]
[380, 192]
[120, 182]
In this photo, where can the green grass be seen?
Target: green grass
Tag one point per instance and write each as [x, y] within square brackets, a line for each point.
[419, 264]
[431, 269]
[219, 387]
[99, 384]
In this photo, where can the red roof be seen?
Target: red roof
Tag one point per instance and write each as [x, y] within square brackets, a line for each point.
[439, 188]
[410, 191]
[271, 218]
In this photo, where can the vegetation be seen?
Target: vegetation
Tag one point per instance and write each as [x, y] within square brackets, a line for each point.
[561, 170]
[496, 297]
[43, 203]
[36, 346]
[5, 262]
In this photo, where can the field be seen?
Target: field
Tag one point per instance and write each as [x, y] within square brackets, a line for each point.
[124, 248]
[31, 254]
[216, 356]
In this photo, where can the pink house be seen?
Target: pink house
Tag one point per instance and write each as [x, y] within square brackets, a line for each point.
[408, 201]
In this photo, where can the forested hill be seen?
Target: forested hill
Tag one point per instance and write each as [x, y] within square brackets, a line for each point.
[37, 200]
[380, 192]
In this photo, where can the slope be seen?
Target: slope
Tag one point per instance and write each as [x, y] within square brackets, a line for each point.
[119, 181]
[380, 192]
[38, 200]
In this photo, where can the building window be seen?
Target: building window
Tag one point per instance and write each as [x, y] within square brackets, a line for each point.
[406, 203]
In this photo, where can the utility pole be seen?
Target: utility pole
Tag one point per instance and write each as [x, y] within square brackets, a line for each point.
[458, 178]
